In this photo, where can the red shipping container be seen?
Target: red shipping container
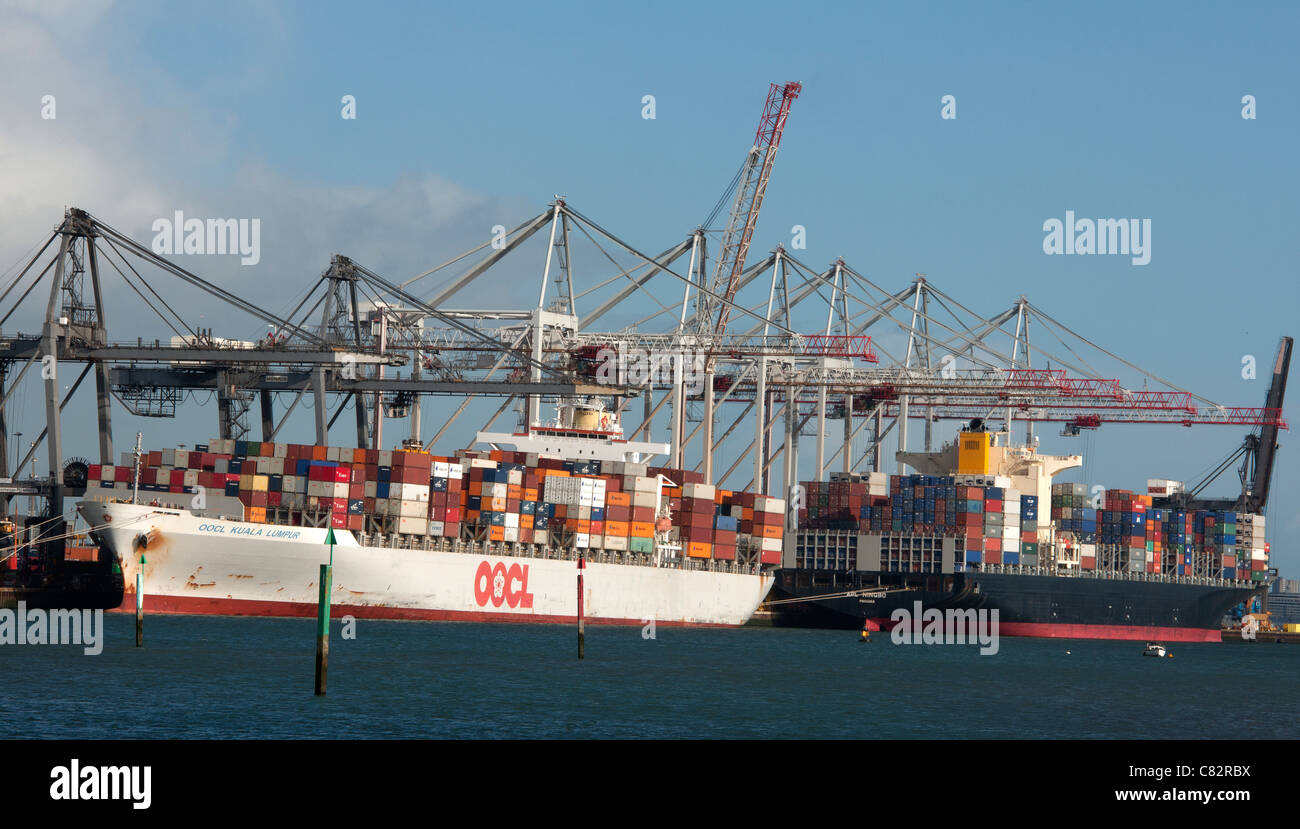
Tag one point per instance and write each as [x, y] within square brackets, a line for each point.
[992, 556]
[770, 556]
[724, 553]
[259, 499]
[356, 491]
[339, 521]
[122, 474]
[453, 515]
[274, 499]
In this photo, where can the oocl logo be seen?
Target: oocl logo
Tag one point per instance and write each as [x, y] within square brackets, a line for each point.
[501, 585]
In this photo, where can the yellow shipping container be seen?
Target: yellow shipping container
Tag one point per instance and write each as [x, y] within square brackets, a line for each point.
[973, 453]
[1291, 627]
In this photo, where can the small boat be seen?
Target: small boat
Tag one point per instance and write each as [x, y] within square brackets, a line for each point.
[1154, 649]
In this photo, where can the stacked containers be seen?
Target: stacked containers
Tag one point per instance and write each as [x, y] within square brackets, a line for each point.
[696, 520]
[1250, 545]
[445, 486]
[1029, 530]
[768, 527]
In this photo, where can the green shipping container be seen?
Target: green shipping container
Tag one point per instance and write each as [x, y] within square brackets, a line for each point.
[641, 545]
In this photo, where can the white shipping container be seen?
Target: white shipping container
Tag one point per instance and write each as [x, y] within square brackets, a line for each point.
[385, 457]
[413, 526]
[645, 499]
[582, 540]
[271, 466]
[540, 537]
[703, 492]
[510, 534]
[512, 521]
[644, 484]
[437, 528]
[340, 490]
[768, 504]
[615, 542]
[413, 509]
[771, 545]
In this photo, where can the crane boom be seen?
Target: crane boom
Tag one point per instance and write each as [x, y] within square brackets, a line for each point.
[1257, 498]
[744, 214]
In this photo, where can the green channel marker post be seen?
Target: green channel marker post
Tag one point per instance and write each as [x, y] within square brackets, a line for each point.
[323, 618]
[582, 633]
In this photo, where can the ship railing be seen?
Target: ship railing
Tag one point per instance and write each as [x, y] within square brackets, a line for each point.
[401, 541]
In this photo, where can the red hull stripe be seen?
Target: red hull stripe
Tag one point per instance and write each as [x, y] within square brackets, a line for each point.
[1048, 630]
[193, 605]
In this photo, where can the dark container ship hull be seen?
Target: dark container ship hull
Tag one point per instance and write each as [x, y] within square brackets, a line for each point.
[1039, 606]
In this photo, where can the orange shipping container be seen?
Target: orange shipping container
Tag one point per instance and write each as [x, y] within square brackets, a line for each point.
[496, 534]
[618, 528]
[698, 549]
[618, 499]
[769, 530]
[642, 529]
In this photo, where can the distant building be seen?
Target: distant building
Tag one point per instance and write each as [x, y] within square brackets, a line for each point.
[1284, 602]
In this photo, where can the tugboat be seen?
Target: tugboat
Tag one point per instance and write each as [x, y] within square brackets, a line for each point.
[1154, 649]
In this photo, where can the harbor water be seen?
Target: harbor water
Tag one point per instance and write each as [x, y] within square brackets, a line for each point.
[225, 677]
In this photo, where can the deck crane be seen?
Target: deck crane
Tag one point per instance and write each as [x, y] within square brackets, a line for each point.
[1258, 452]
[738, 235]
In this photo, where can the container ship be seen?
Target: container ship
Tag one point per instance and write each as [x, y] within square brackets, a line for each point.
[987, 529]
[240, 528]
[44, 566]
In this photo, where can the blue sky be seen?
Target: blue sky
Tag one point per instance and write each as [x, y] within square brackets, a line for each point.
[470, 115]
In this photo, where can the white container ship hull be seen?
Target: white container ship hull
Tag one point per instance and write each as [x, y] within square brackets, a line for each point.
[199, 565]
